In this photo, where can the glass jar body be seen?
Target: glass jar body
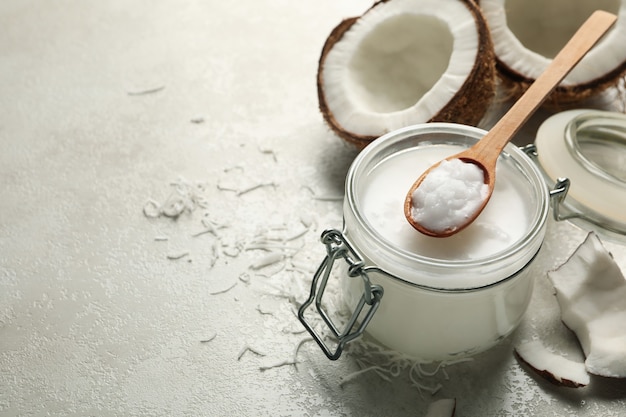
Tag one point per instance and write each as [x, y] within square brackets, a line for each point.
[437, 306]
[442, 325]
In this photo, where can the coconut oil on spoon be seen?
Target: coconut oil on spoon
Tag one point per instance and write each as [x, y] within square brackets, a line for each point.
[452, 193]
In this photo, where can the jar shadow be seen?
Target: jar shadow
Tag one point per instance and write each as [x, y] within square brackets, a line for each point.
[333, 165]
[392, 384]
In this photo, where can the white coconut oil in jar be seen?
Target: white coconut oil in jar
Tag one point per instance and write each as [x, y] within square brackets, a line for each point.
[444, 298]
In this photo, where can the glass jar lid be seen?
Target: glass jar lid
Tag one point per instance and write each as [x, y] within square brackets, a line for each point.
[589, 148]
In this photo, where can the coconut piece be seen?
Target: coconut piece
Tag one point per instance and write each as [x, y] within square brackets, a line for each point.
[441, 408]
[591, 292]
[405, 62]
[527, 34]
[555, 368]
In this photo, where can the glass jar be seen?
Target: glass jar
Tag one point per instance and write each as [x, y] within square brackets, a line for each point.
[588, 147]
[430, 298]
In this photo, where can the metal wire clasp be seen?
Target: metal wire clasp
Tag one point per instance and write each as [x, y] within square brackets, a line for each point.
[337, 247]
[557, 193]
[557, 196]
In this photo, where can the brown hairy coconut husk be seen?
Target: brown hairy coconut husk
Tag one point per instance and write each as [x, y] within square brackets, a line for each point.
[405, 62]
[527, 34]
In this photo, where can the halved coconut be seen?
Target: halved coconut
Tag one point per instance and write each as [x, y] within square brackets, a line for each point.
[527, 34]
[405, 62]
[591, 292]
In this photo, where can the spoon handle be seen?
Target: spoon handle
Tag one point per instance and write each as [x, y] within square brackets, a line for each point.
[582, 41]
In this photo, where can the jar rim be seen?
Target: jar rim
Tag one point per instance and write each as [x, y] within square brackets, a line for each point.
[536, 222]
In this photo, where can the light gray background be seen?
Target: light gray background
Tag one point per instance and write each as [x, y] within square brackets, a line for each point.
[96, 319]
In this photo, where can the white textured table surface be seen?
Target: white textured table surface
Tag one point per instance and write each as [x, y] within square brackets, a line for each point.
[107, 311]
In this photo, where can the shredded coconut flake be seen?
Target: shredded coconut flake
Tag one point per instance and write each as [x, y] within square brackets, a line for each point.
[277, 365]
[267, 260]
[224, 290]
[209, 339]
[176, 256]
[247, 348]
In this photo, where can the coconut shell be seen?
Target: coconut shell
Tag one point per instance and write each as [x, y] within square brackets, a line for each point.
[468, 105]
[562, 97]
[335, 36]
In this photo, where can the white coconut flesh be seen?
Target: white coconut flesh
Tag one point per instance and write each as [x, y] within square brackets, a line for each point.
[552, 366]
[527, 34]
[591, 292]
[441, 408]
[399, 64]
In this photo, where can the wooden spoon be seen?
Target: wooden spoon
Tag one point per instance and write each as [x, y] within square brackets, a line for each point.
[485, 152]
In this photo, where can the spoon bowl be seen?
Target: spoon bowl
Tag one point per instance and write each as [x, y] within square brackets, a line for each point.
[484, 154]
[469, 156]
